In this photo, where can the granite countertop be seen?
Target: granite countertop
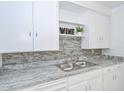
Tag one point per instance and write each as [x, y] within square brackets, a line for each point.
[19, 76]
[14, 79]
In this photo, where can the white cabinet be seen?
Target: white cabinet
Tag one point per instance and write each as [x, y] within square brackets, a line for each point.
[119, 77]
[15, 26]
[108, 79]
[83, 86]
[112, 77]
[56, 85]
[27, 26]
[96, 31]
[109, 82]
[122, 77]
[88, 85]
[96, 84]
[90, 81]
[45, 20]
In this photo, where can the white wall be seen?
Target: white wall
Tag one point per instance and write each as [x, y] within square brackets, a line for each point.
[70, 16]
[117, 32]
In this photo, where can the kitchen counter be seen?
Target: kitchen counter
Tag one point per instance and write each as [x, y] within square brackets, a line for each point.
[14, 77]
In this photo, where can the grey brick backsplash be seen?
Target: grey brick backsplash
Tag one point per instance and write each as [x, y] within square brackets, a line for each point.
[0, 60]
[115, 58]
[70, 49]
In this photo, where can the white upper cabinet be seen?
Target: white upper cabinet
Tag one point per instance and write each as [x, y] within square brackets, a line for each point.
[28, 26]
[45, 20]
[97, 32]
[15, 26]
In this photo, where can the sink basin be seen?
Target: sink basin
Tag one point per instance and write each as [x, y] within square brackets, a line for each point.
[66, 67]
[81, 64]
[74, 66]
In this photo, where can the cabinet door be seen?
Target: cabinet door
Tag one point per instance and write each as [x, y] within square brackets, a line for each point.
[101, 34]
[79, 87]
[119, 77]
[98, 29]
[122, 77]
[45, 20]
[109, 82]
[104, 29]
[15, 26]
[92, 21]
[113, 81]
[118, 81]
[96, 84]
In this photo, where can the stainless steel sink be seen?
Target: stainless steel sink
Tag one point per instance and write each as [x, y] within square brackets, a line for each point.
[75, 66]
[81, 64]
[66, 67]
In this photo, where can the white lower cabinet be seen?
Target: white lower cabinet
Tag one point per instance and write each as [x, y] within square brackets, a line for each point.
[122, 77]
[96, 84]
[79, 87]
[88, 85]
[109, 82]
[113, 78]
[90, 81]
[110, 79]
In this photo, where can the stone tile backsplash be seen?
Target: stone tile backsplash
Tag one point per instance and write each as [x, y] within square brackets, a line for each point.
[0, 60]
[115, 58]
[70, 48]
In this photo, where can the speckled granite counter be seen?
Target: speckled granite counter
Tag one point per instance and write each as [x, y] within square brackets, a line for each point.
[26, 75]
[11, 79]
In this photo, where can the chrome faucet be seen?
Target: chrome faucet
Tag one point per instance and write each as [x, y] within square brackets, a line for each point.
[83, 59]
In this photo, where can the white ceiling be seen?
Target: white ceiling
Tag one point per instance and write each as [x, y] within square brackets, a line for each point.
[71, 7]
[111, 4]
